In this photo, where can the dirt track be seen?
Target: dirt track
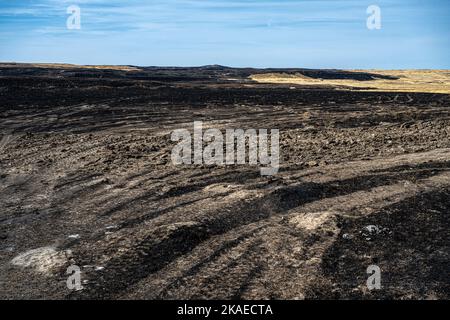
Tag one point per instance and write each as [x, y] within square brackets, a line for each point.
[86, 174]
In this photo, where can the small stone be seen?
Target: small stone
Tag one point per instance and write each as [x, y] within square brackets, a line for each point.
[347, 236]
[312, 163]
[372, 229]
[69, 253]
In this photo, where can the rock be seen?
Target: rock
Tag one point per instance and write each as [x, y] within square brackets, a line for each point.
[43, 260]
[372, 229]
[312, 163]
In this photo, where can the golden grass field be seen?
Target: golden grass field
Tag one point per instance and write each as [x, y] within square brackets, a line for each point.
[430, 81]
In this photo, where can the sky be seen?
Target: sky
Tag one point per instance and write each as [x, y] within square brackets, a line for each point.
[414, 34]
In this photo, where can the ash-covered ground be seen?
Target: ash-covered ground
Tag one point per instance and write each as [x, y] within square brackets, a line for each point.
[87, 179]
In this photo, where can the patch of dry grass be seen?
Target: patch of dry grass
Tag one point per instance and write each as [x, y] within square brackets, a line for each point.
[431, 81]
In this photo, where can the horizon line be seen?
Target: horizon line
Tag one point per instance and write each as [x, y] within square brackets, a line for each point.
[43, 64]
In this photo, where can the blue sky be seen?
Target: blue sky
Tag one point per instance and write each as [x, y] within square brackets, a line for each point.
[258, 33]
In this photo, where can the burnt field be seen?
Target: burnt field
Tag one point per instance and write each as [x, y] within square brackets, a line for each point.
[86, 179]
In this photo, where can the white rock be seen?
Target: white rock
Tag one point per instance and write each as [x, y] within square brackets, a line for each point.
[42, 260]
[372, 229]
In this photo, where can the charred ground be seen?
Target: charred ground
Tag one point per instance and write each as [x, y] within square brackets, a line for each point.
[86, 173]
